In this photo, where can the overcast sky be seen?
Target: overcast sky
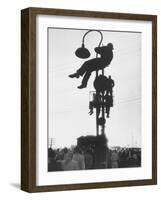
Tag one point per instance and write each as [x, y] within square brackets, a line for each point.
[69, 106]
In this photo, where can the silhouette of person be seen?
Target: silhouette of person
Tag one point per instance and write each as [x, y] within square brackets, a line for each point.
[109, 95]
[106, 56]
[108, 103]
[110, 85]
[100, 84]
[96, 103]
[68, 163]
[79, 158]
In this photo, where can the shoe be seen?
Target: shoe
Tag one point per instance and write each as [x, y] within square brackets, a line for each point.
[81, 86]
[75, 75]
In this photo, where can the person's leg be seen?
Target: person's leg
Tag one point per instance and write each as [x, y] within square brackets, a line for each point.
[79, 72]
[88, 66]
[99, 109]
[107, 111]
[110, 91]
[82, 69]
[85, 80]
[91, 108]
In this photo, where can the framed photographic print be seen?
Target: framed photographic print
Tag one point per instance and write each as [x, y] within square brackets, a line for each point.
[89, 99]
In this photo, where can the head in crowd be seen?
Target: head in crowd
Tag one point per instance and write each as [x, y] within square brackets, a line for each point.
[68, 156]
[77, 150]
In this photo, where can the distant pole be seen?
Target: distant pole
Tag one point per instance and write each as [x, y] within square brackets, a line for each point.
[51, 142]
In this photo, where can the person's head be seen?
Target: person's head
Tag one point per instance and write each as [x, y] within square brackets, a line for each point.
[110, 46]
[109, 77]
[65, 150]
[76, 150]
[88, 151]
[51, 153]
[68, 156]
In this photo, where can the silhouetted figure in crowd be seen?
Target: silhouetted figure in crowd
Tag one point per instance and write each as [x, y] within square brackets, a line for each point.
[79, 158]
[106, 56]
[88, 159]
[114, 159]
[53, 165]
[68, 163]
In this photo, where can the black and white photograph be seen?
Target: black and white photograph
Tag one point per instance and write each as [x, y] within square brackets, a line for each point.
[93, 99]
[89, 99]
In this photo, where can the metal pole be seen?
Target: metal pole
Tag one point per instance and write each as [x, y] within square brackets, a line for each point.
[97, 126]
[83, 39]
[103, 110]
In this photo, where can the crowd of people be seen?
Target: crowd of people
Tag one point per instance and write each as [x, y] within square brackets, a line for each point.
[125, 157]
[69, 159]
[81, 159]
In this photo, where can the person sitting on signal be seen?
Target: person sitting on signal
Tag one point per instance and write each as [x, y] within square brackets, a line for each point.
[96, 103]
[110, 85]
[95, 64]
[108, 103]
[109, 95]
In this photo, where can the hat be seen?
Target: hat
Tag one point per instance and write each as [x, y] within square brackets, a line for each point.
[110, 45]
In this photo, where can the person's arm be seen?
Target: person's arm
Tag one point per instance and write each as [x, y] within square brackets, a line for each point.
[110, 57]
[113, 83]
[97, 49]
